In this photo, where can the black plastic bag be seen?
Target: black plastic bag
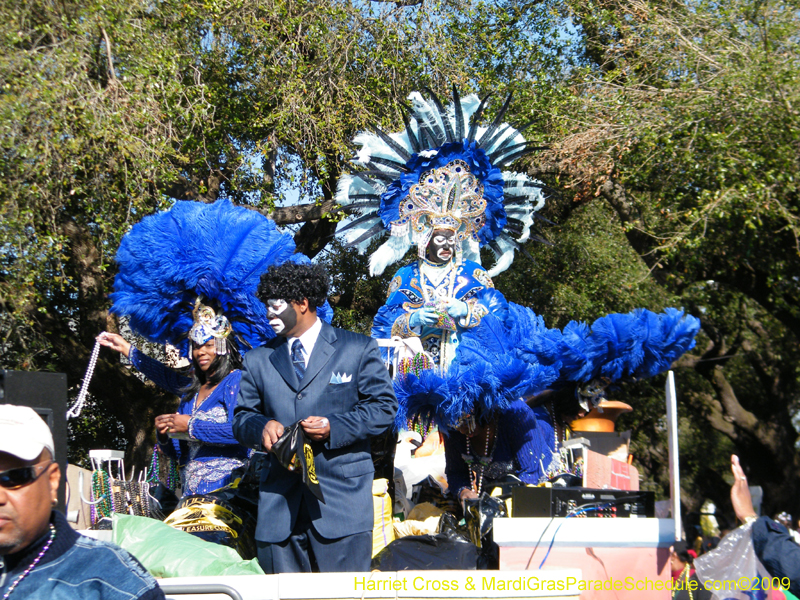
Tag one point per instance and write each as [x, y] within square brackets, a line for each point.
[166, 500]
[479, 513]
[448, 525]
[295, 453]
[428, 490]
[426, 553]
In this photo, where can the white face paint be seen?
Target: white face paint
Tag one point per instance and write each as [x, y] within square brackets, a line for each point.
[279, 318]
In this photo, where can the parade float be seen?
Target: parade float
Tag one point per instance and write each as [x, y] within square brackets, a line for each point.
[501, 398]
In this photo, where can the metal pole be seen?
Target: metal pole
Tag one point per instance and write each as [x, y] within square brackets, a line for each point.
[175, 589]
[674, 468]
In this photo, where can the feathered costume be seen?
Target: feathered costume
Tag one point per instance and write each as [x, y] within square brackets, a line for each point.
[173, 266]
[506, 359]
[443, 172]
[214, 251]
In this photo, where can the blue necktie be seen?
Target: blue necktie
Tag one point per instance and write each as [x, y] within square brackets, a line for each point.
[297, 359]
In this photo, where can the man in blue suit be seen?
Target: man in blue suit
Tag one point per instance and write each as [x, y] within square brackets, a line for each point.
[336, 383]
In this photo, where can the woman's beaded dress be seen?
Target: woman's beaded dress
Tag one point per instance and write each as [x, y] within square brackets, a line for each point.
[208, 458]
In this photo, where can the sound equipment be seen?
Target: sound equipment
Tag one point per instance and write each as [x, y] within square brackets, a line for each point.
[46, 393]
[581, 503]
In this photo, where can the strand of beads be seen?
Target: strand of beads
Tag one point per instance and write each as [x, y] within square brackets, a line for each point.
[416, 365]
[101, 492]
[75, 411]
[476, 480]
[33, 564]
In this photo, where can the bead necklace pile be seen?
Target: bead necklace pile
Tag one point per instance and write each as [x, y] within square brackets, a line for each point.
[34, 563]
[476, 480]
[159, 462]
[103, 500]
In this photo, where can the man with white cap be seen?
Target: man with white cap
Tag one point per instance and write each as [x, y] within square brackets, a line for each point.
[41, 557]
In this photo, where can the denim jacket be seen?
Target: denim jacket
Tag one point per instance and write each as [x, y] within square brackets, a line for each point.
[76, 567]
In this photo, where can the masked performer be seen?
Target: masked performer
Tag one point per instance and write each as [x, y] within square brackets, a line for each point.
[193, 271]
[438, 186]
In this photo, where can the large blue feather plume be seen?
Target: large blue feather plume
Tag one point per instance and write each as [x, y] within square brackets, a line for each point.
[625, 346]
[215, 250]
[487, 373]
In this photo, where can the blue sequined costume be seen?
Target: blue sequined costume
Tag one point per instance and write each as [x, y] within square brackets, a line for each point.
[208, 458]
[525, 446]
[423, 281]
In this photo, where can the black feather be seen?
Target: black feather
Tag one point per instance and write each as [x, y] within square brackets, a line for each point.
[516, 223]
[540, 239]
[411, 137]
[496, 136]
[538, 217]
[355, 206]
[388, 162]
[398, 149]
[374, 174]
[509, 158]
[372, 231]
[496, 123]
[359, 221]
[365, 197]
[527, 146]
[507, 142]
[496, 248]
[474, 120]
[459, 114]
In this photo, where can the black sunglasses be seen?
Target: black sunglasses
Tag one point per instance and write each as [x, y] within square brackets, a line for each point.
[17, 478]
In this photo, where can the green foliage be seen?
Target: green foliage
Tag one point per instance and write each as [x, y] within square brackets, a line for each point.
[674, 135]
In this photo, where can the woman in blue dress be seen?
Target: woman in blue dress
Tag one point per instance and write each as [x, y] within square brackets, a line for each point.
[198, 436]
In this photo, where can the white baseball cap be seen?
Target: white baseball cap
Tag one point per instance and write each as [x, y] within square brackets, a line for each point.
[23, 433]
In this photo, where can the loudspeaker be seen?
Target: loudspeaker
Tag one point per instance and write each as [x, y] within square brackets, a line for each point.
[46, 393]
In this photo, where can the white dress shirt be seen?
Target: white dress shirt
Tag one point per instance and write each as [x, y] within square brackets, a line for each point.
[308, 339]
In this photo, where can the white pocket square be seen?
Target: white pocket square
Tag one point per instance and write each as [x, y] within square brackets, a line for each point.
[338, 378]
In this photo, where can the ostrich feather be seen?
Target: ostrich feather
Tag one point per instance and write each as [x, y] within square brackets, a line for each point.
[217, 251]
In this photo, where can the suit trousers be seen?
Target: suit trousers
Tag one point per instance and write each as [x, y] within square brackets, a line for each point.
[306, 551]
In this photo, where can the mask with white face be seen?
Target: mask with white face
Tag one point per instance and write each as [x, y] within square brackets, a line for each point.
[281, 315]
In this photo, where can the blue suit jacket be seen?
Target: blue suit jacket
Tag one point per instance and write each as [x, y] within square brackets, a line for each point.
[363, 406]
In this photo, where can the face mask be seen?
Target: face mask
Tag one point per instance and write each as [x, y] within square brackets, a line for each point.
[282, 317]
[441, 246]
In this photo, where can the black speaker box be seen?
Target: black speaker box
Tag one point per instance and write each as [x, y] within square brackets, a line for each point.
[46, 393]
[581, 502]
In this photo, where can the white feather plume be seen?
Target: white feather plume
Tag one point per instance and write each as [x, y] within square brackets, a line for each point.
[389, 253]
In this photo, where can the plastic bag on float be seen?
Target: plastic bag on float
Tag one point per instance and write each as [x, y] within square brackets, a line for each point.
[426, 553]
[732, 561]
[214, 518]
[382, 529]
[168, 552]
[479, 515]
[295, 453]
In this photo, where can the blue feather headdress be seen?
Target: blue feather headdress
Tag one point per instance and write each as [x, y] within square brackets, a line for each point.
[442, 172]
[215, 252]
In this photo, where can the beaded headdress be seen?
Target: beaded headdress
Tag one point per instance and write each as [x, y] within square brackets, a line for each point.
[209, 325]
[193, 271]
[442, 172]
